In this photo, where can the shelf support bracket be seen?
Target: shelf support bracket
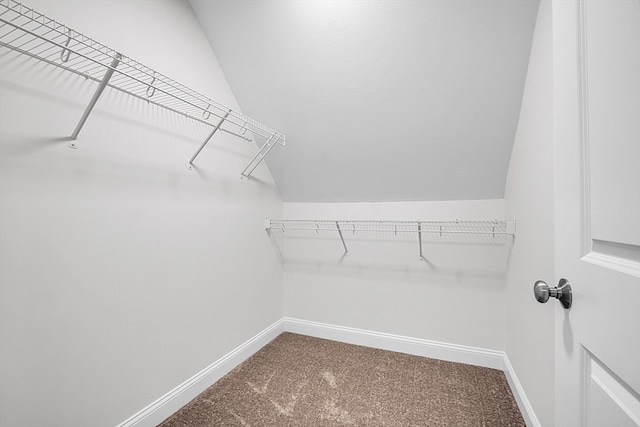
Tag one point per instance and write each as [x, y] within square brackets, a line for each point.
[346, 251]
[206, 141]
[103, 84]
[262, 153]
[420, 240]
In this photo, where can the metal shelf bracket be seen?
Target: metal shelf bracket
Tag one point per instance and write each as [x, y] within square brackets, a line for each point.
[215, 129]
[346, 251]
[261, 154]
[28, 32]
[96, 96]
[420, 241]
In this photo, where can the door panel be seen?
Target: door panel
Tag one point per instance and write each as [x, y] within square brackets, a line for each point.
[611, 70]
[597, 205]
[608, 400]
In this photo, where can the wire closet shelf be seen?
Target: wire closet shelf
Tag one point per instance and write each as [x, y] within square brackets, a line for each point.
[31, 33]
[486, 228]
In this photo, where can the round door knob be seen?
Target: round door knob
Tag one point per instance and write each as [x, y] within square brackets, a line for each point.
[562, 292]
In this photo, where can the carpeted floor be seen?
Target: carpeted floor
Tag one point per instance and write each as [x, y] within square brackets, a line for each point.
[301, 381]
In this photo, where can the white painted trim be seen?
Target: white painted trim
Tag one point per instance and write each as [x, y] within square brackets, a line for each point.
[611, 262]
[168, 404]
[419, 347]
[518, 393]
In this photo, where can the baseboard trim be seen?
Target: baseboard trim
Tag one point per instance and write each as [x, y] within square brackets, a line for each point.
[419, 347]
[518, 393]
[168, 404]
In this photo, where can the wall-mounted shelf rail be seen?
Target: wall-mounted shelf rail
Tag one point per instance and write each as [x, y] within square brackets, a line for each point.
[33, 34]
[491, 229]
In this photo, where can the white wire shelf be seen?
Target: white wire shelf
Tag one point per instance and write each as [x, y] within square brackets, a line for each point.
[31, 33]
[491, 228]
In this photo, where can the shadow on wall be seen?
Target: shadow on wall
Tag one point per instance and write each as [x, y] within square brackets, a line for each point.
[388, 256]
[35, 87]
[43, 83]
[125, 139]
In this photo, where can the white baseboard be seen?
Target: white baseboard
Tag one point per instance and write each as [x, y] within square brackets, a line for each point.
[518, 393]
[419, 347]
[168, 404]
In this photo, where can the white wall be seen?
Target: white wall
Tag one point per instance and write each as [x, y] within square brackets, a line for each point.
[456, 297]
[529, 198]
[122, 272]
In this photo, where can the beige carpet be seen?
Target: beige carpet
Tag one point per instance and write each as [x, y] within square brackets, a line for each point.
[301, 381]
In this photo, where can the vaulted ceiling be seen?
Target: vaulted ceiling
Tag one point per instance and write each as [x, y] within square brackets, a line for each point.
[379, 100]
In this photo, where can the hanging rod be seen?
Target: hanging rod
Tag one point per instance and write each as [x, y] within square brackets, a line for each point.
[33, 34]
[491, 228]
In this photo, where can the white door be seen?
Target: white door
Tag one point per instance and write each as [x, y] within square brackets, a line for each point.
[597, 205]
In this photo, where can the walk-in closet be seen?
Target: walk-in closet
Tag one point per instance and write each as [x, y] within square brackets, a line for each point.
[319, 213]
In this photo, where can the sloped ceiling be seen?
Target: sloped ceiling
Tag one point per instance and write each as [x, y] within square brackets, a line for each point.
[379, 100]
